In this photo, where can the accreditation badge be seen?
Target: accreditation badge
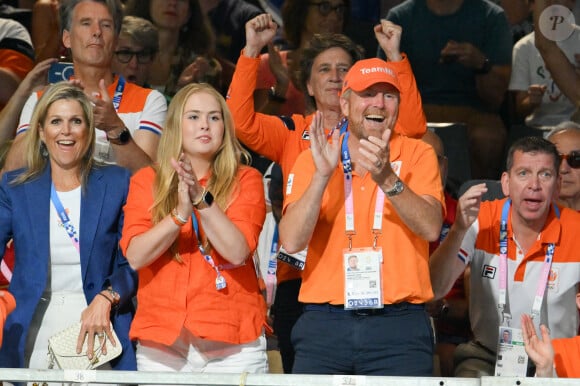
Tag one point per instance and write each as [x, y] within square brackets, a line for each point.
[512, 360]
[295, 260]
[362, 278]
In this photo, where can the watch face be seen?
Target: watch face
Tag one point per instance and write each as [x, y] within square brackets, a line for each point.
[125, 136]
[208, 198]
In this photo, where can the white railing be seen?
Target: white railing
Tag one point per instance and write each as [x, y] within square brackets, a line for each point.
[245, 379]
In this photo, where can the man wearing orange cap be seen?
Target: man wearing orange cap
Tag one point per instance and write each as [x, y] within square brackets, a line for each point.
[382, 202]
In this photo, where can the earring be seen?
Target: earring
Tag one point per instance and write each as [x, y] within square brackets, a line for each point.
[43, 150]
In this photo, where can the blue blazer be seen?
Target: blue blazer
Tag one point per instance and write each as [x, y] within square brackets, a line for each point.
[24, 217]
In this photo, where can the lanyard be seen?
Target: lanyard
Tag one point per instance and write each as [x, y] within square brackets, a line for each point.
[220, 281]
[271, 279]
[118, 92]
[64, 219]
[348, 198]
[503, 247]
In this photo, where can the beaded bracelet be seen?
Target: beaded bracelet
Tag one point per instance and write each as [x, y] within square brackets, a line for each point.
[177, 219]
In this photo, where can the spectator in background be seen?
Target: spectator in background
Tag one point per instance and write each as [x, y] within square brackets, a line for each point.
[278, 89]
[566, 137]
[45, 30]
[538, 98]
[16, 57]
[519, 16]
[185, 34]
[564, 72]
[137, 46]
[35, 79]
[128, 117]
[228, 19]
[461, 53]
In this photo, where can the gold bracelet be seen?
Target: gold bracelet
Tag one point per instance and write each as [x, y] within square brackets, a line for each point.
[177, 219]
[200, 199]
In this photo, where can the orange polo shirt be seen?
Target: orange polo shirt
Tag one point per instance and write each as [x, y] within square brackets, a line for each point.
[173, 295]
[405, 267]
[269, 136]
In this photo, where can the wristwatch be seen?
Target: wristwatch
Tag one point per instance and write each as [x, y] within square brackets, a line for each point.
[205, 201]
[122, 139]
[396, 189]
[115, 295]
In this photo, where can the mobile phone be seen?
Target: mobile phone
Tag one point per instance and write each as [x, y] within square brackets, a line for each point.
[60, 71]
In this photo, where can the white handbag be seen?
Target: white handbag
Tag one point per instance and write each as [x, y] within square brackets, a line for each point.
[62, 350]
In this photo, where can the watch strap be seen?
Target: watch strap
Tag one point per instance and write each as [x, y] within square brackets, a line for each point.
[123, 137]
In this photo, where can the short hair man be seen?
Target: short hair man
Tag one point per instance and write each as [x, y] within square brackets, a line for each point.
[352, 263]
[536, 237]
[566, 137]
[129, 118]
[377, 163]
[506, 337]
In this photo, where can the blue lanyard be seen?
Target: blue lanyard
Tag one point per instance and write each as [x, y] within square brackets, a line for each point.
[503, 249]
[64, 219]
[118, 92]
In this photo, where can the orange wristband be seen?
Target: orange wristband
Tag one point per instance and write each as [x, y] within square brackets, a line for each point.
[177, 219]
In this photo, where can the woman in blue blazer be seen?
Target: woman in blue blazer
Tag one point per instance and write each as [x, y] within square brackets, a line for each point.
[65, 215]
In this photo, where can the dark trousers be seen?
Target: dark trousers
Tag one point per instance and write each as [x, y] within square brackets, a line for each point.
[394, 341]
[286, 310]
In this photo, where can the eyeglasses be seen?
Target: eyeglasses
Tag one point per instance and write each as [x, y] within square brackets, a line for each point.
[573, 159]
[143, 57]
[325, 7]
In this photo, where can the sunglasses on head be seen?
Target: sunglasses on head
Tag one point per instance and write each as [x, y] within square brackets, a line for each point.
[325, 7]
[573, 159]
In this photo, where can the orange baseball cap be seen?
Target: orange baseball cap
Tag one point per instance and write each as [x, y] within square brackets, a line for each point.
[367, 72]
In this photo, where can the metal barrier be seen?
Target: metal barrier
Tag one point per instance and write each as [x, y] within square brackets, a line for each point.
[245, 379]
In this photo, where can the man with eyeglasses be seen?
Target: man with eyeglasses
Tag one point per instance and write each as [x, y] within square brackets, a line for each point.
[136, 48]
[566, 137]
[325, 7]
[129, 118]
[523, 253]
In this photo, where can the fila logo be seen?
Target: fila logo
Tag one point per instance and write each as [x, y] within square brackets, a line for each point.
[306, 135]
[488, 271]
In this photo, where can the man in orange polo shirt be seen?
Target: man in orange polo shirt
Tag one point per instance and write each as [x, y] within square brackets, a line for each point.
[281, 138]
[371, 321]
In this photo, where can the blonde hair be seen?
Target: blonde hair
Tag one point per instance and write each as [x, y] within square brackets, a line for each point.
[35, 150]
[226, 162]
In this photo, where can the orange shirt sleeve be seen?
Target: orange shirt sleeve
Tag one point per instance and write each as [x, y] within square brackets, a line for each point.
[411, 121]
[248, 208]
[138, 207]
[262, 133]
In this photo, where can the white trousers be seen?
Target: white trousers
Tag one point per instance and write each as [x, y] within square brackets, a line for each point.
[193, 354]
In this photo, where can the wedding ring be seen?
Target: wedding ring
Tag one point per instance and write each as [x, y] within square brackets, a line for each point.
[378, 163]
[101, 335]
